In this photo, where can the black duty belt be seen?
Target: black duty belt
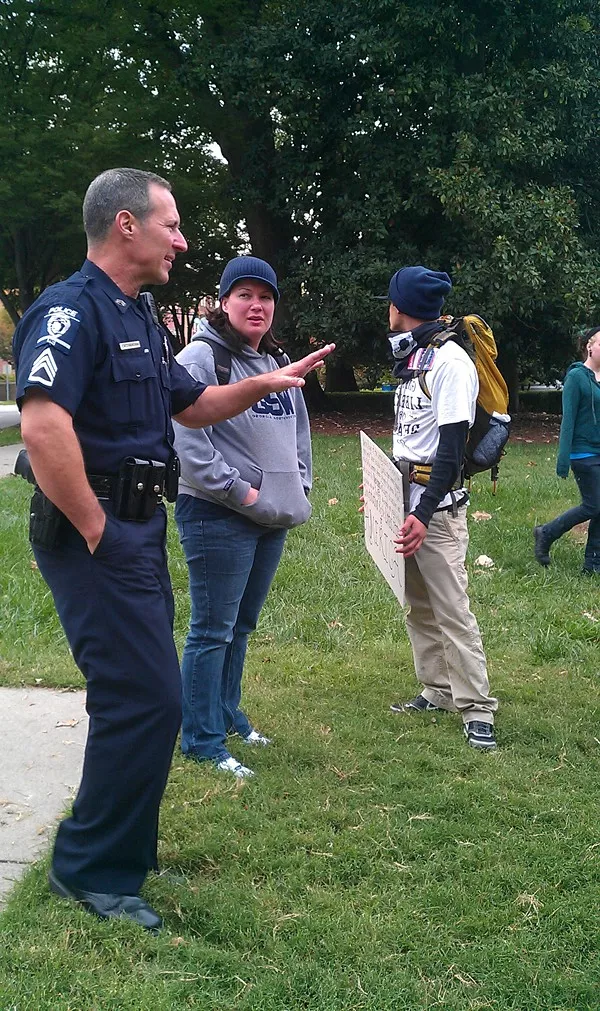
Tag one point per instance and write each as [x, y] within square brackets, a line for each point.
[102, 485]
[106, 485]
[138, 488]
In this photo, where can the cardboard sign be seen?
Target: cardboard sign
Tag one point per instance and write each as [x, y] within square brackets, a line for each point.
[383, 512]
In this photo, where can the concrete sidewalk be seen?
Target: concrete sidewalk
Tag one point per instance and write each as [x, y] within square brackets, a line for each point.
[9, 414]
[8, 455]
[43, 737]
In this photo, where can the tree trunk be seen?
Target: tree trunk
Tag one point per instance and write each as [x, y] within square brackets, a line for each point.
[24, 282]
[10, 307]
[314, 395]
[340, 377]
[247, 144]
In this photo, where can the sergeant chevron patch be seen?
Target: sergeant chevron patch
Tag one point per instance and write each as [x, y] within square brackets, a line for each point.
[44, 369]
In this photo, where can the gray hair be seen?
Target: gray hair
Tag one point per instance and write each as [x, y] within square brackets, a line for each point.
[119, 189]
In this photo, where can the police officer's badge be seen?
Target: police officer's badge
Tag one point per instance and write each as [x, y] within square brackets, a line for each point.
[58, 323]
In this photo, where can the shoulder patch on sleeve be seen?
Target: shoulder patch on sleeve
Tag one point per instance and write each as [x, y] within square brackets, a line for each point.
[59, 327]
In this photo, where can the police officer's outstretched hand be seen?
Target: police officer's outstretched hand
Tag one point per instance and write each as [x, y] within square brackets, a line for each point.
[293, 374]
[216, 403]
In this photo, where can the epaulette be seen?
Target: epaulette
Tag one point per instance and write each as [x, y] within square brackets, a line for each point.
[70, 289]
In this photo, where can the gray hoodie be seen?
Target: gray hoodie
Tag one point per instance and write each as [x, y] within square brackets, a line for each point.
[266, 447]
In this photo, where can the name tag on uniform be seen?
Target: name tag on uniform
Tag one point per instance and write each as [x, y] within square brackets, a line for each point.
[129, 345]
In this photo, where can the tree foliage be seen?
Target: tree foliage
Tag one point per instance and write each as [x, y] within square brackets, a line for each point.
[364, 135]
[75, 102]
[360, 135]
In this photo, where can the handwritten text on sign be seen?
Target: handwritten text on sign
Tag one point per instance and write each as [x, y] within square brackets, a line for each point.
[383, 512]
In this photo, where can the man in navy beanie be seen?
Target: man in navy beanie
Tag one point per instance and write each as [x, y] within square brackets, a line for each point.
[434, 409]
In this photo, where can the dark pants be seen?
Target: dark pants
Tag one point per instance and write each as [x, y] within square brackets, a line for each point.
[116, 608]
[587, 475]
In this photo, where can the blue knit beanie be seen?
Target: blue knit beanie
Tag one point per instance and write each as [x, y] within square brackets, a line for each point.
[243, 268]
[419, 292]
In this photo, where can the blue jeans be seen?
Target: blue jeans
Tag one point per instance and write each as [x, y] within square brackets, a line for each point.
[587, 475]
[231, 562]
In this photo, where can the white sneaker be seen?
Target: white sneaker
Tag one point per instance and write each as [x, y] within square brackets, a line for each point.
[255, 738]
[231, 764]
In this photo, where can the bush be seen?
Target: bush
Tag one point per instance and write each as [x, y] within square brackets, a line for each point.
[541, 401]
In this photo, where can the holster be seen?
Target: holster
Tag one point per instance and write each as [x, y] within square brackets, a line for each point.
[46, 522]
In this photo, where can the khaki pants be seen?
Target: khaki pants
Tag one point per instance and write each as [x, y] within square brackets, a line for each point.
[445, 638]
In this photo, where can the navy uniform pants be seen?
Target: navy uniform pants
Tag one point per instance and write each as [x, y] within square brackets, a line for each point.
[116, 608]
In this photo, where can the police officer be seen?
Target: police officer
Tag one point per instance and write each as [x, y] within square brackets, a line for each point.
[97, 385]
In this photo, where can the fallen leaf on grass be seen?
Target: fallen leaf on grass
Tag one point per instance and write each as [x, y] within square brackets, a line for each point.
[332, 501]
[592, 617]
[529, 903]
[420, 817]
[33, 565]
[478, 516]
[484, 562]
[334, 624]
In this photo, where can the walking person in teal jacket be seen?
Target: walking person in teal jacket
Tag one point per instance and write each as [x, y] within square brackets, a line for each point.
[579, 449]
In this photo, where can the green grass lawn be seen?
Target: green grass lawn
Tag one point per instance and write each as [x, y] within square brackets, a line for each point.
[375, 862]
[10, 436]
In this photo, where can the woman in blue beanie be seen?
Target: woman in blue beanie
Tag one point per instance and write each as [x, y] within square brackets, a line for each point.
[244, 483]
[579, 450]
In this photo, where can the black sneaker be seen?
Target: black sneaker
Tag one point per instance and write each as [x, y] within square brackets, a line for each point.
[480, 735]
[541, 546]
[417, 705]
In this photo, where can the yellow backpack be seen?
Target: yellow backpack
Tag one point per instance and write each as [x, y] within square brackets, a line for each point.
[491, 429]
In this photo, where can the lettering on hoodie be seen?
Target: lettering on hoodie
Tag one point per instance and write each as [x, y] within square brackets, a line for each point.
[277, 405]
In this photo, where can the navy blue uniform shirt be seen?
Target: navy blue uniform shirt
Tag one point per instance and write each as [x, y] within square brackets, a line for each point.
[97, 353]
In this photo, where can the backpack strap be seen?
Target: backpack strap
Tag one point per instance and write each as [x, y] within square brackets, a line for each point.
[222, 356]
[436, 342]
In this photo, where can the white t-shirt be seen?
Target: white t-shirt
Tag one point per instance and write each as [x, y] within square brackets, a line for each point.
[453, 384]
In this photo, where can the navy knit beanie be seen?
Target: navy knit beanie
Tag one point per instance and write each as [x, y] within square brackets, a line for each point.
[243, 268]
[419, 292]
